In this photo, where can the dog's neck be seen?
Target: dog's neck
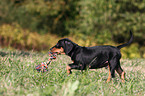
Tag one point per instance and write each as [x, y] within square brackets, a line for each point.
[72, 52]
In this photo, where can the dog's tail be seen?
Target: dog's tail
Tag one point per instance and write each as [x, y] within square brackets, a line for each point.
[129, 42]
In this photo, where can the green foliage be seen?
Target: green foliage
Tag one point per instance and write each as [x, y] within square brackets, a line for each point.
[90, 21]
[15, 36]
[18, 77]
[111, 19]
[132, 51]
[42, 16]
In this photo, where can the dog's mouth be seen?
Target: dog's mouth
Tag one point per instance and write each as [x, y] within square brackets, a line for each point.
[59, 51]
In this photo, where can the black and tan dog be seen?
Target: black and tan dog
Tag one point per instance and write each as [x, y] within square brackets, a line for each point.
[92, 57]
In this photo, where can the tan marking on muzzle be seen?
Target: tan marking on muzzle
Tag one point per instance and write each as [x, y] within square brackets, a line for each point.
[58, 50]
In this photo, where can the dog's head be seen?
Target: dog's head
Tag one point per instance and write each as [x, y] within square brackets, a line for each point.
[64, 46]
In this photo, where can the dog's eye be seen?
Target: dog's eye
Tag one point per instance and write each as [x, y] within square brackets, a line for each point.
[57, 45]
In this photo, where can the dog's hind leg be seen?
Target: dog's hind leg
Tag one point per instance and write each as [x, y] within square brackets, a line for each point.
[112, 65]
[109, 76]
[120, 72]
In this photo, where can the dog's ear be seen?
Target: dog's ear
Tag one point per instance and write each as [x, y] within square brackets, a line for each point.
[68, 47]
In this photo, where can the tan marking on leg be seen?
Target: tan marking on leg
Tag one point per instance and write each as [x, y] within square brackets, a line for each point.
[68, 68]
[121, 74]
[109, 77]
[123, 77]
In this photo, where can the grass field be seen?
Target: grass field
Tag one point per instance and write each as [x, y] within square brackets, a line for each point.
[18, 77]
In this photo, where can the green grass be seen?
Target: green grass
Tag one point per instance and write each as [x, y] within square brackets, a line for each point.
[19, 77]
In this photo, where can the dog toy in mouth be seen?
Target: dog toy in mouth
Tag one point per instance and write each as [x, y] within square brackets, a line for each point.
[43, 67]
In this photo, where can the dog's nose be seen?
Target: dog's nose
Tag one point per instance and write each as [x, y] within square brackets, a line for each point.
[51, 48]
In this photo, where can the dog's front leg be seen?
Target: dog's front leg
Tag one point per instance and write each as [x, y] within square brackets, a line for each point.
[72, 66]
[68, 68]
